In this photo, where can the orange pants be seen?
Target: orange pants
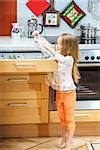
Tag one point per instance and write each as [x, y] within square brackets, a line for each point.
[65, 103]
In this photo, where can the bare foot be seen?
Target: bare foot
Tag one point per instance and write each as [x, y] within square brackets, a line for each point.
[63, 143]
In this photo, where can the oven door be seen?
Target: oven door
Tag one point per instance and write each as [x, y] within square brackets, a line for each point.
[88, 89]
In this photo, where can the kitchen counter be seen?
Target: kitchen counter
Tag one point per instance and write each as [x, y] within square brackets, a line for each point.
[8, 43]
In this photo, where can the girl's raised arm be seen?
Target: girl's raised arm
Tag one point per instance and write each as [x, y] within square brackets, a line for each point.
[43, 43]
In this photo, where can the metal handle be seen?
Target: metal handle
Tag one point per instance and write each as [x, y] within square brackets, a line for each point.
[17, 104]
[81, 115]
[25, 64]
[89, 65]
[41, 28]
[86, 93]
[17, 80]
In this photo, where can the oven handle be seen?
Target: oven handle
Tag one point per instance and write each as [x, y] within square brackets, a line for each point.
[86, 93]
[89, 65]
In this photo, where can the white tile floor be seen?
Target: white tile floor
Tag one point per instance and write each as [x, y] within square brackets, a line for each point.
[49, 143]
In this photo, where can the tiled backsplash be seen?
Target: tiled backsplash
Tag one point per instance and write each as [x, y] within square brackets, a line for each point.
[24, 14]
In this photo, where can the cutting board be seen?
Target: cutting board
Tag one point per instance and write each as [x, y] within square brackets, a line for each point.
[50, 14]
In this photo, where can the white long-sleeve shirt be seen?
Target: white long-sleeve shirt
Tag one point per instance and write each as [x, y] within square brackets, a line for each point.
[64, 74]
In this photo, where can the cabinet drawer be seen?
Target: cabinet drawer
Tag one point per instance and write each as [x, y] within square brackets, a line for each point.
[28, 66]
[80, 116]
[19, 103]
[23, 87]
[21, 78]
[87, 116]
[19, 112]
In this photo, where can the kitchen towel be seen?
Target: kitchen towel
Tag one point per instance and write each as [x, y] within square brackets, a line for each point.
[37, 6]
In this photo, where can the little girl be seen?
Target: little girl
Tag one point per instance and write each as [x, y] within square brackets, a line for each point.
[66, 55]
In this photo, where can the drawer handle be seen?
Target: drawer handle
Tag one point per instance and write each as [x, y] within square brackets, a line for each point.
[81, 115]
[21, 65]
[18, 80]
[17, 104]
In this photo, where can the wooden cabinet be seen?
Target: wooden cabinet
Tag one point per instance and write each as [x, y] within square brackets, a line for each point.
[80, 116]
[23, 98]
[28, 66]
[20, 111]
[21, 86]
[23, 91]
[87, 116]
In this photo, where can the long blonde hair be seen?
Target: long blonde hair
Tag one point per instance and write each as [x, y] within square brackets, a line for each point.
[70, 47]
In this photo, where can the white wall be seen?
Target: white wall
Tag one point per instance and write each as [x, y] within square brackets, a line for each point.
[24, 13]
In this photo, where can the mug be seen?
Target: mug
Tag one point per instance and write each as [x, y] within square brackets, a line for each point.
[16, 31]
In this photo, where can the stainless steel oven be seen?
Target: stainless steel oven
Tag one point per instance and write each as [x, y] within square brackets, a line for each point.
[88, 89]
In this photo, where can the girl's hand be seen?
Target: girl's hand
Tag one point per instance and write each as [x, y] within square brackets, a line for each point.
[44, 44]
[36, 35]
